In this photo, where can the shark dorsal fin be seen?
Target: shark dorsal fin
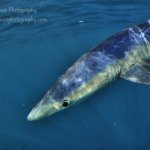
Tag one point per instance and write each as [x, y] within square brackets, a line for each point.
[139, 72]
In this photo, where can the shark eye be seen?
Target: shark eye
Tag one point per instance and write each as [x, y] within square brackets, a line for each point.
[65, 103]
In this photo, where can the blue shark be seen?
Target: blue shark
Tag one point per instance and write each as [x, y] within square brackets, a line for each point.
[122, 55]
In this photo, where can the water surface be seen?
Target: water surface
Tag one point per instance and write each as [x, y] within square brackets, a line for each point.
[34, 55]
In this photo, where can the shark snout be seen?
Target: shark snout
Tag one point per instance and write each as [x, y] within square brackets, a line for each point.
[42, 110]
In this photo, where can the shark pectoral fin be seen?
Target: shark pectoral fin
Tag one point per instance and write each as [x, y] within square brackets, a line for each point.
[139, 72]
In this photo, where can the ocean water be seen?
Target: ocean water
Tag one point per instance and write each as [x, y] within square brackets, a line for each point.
[37, 46]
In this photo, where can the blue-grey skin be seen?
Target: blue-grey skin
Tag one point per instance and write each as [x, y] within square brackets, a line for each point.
[94, 70]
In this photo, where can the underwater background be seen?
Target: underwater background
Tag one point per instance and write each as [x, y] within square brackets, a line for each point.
[38, 47]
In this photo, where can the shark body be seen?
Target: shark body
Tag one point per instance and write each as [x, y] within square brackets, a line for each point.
[122, 55]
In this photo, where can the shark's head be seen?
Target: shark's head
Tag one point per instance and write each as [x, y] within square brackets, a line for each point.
[72, 87]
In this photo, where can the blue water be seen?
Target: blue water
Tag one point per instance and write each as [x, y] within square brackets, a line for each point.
[33, 56]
